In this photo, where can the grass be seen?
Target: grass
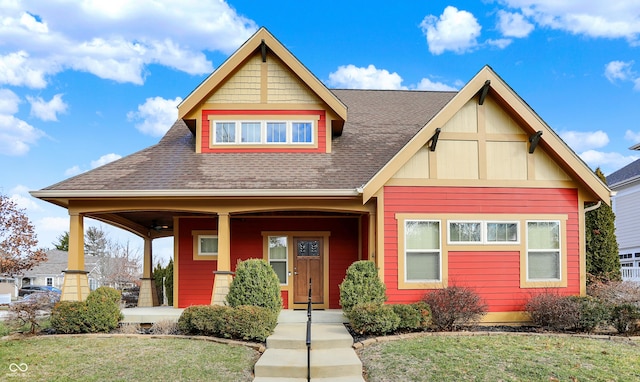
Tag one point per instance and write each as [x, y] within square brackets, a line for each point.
[126, 359]
[502, 358]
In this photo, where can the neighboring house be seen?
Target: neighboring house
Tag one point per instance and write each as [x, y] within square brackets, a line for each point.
[626, 206]
[51, 271]
[437, 188]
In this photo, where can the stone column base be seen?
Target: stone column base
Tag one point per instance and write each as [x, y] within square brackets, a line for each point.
[75, 286]
[148, 294]
[221, 283]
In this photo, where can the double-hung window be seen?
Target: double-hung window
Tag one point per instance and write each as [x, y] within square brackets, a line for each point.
[278, 254]
[423, 260]
[543, 251]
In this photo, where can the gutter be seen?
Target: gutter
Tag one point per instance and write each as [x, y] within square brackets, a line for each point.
[64, 194]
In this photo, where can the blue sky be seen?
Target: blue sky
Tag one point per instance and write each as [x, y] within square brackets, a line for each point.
[86, 82]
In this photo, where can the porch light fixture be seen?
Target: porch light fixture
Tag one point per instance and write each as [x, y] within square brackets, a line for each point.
[534, 139]
[434, 140]
[159, 227]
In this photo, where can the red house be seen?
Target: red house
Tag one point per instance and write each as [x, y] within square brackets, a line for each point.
[437, 188]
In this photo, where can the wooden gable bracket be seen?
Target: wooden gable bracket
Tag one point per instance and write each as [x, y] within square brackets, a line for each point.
[263, 50]
[534, 139]
[484, 91]
[434, 140]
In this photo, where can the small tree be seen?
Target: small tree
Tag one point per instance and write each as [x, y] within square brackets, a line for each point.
[257, 284]
[63, 242]
[18, 240]
[361, 285]
[166, 272]
[603, 261]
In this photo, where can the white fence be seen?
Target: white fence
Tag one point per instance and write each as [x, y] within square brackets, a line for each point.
[631, 274]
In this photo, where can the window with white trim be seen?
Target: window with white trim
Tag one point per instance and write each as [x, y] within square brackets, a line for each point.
[49, 281]
[465, 232]
[207, 245]
[423, 260]
[263, 132]
[543, 250]
[278, 255]
[503, 232]
[483, 232]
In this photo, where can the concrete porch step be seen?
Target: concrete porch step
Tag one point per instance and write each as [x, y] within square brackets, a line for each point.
[323, 336]
[338, 379]
[292, 363]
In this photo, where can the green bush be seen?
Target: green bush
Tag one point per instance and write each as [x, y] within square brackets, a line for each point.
[626, 318]
[256, 284]
[250, 323]
[361, 285]
[373, 318]
[592, 313]
[203, 319]
[103, 310]
[413, 317]
[69, 317]
[455, 306]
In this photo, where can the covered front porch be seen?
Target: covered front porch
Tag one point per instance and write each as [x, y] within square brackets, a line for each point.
[300, 237]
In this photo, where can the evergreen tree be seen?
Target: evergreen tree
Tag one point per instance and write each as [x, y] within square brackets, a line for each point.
[166, 272]
[63, 242]
[603, 262]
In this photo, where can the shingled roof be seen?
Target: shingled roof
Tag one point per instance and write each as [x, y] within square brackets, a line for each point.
[379, 124]
[626, 174]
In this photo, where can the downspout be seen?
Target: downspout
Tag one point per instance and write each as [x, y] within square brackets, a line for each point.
[594, 207]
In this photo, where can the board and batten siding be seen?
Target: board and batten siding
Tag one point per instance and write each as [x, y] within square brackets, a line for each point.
[494, 274]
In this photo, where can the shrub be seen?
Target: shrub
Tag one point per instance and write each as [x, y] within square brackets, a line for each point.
[256, 284]
[592, 313]
[69, 317]
[626, 318]
[186, 321]
[425, 313]
[411, 316]
[373, 318]
[28, 312]
[455, 306]
[361, 285]
[550, 310]
[251, 323]
[164, 327]
[103, 310]
[615, 292]
[209, 320]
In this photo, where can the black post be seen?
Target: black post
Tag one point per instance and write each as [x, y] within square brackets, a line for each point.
[309, 335]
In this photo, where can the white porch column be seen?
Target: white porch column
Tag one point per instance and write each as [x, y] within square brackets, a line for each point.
[75, 286]
[222, 275]
[148, 293]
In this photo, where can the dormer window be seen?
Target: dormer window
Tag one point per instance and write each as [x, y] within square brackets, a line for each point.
[263, 132]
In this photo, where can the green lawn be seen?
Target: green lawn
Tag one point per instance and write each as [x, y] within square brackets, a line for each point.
[502, 358]
[91, 358]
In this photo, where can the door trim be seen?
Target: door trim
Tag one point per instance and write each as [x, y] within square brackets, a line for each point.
[291, 259]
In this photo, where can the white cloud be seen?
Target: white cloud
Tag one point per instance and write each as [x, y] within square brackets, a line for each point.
[73, 171]
[500, 43]
[107, 158]
[114, 40]
[20, 195]
[427, 84]
[47, 110]
[619, 70]
[53, 224]
[593, 18]
[352, 77]
[632, 136]
[454, 30]
[513, 24]
[17, 136]
[580, 141]
[156, 115]
[9, 102]
[608, 162]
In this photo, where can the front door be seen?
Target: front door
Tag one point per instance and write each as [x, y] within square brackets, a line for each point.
[308, 266]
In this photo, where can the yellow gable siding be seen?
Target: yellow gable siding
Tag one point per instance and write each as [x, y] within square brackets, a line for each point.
[284, 87]
[241, 87]
[481, 143]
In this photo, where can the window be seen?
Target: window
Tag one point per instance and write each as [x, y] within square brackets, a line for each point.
[263, 132]
[205, 245]
[465, 232]
[49, 281]
[278, 254]
[422, 251]
[543, 250]
[499, 232]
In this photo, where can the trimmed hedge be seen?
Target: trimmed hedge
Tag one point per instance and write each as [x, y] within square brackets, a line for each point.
[416, 316]
[69, 317]
[373, 318]
[361, 285]
[257, 284]
[99, 313]
[626, 318]
[251, 323]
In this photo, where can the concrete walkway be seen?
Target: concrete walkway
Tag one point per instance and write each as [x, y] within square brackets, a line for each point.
[332, 355]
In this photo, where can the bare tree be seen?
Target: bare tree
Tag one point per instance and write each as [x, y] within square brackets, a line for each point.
[18, 241]
[122, 267]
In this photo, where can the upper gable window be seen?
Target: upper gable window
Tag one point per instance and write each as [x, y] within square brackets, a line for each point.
[263, 132]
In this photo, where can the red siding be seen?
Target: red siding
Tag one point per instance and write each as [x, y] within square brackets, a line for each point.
[196, 277]
[494, 275]
[322, 131]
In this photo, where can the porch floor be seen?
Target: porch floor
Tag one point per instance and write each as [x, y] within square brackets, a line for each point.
[168, 313]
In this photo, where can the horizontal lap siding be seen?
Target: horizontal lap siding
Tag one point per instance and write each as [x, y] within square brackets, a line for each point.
[495, 275]
[195, 278]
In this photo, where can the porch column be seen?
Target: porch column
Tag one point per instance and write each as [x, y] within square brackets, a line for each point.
[222, 276]
[148, 293]
[75, 286]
